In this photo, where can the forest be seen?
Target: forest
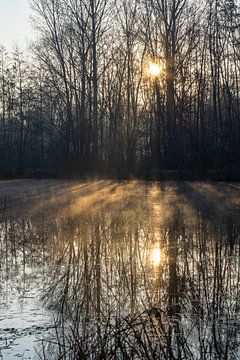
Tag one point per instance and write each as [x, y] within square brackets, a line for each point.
[123, 88]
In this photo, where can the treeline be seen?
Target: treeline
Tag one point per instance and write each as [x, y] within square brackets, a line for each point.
[83, 99]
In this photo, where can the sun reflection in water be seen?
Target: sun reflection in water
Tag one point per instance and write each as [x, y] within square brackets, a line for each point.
[156, 256]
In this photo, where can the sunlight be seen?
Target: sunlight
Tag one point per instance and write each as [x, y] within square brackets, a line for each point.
[156, 256]
[154, 69]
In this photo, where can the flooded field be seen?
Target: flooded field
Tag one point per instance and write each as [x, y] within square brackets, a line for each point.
[128, 270]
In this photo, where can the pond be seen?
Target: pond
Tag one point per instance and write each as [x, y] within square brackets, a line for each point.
[119, 270]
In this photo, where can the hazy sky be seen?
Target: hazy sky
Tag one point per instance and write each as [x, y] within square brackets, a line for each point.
[14, 22]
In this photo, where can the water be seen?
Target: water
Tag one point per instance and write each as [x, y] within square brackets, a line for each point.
[120, 270]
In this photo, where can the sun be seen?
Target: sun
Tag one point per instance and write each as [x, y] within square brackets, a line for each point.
[154, 69]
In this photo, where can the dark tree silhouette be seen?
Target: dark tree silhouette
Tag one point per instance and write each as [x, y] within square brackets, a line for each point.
[85, 102]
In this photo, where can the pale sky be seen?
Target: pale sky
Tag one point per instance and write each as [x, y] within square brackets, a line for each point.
[15, 24]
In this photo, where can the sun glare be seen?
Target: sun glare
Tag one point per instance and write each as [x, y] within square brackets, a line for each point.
[154, 69]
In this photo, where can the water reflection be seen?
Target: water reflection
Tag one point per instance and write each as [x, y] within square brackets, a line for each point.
[156, 256]
[130, 270]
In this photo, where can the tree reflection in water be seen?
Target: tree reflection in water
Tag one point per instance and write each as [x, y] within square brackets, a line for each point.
[134, 271]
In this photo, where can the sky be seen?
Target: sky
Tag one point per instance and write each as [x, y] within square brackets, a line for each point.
[15, 24]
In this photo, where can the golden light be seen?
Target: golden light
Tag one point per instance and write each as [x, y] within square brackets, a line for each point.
[156, 256]
[154, 69]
